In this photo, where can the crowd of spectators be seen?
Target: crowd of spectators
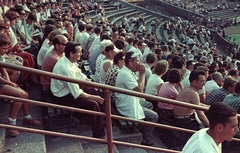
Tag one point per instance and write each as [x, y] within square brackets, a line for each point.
[58, 40]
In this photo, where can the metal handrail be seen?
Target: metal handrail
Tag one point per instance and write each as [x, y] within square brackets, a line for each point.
[108, 114]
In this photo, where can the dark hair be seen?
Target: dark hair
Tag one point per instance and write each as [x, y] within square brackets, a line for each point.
[194, 75]
[105, 36]
[177, 62]
[158, 51]
[97, 30]
[51, 22]
[70, 47]
[81, 27]
[229, 82]
[117, 57]
[174, 76]
[189, 63]
[219, 113]
[151, 58]
[4, 40]
[48, 28]
[232, 72]
[109, 48]
[32, 17]
[119, 44]
[129, 58]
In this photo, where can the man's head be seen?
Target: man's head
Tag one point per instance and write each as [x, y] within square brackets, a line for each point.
[197, 79]
[73, 51]
[132, 61]
[229, 84]
[161, 67]
[218, 78]
[223, 121]
[4, 44]
[59, 43]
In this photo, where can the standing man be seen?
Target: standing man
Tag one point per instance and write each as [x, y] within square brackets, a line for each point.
[223, 125]
[131, 106]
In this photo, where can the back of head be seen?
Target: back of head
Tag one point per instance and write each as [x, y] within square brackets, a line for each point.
[161, 67]
[219, 113]
[177, 62]
[216, 75]
[229, 82]
[174, 76]
[151, 58]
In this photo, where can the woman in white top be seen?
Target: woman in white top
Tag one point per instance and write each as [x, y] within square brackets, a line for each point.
[155, 81]
[107, 62]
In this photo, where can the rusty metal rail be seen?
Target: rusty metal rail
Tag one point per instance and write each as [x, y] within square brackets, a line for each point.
[108, 114]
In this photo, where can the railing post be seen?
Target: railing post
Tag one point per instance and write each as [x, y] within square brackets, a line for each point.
[108, 121]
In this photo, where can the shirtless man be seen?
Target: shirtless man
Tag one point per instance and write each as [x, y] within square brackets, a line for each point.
[185, 117]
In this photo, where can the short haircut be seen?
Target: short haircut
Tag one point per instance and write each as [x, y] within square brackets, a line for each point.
[117, 57]
[174, 76]
[229, 82]
[233, 72]
[119, 44]
[189, 63]
[129, 58]
[194, 75]
[81, 27]
[109, 48]
[48, 28]
[4, 40]
[151, 58]
[219, 113]
[161, 67]
[216, 75]
[177, 62]
[70, 47]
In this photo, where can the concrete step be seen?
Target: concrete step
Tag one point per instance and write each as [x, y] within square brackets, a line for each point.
[125, 149]
[63, 145]
[26, 142]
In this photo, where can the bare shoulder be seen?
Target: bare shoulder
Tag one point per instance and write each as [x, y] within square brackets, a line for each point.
[187, 95]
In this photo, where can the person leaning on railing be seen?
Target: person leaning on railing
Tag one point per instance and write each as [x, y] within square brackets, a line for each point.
[9, 88]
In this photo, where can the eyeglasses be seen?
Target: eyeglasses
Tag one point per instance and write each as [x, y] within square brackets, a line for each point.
[62, 44]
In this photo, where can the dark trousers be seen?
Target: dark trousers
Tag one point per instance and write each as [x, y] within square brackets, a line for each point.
[89, 104]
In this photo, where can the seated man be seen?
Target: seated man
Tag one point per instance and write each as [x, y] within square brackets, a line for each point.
[131, 106]
[185, 116]
[217, 95]
[10, 88]
[223, 125]
[71, 93]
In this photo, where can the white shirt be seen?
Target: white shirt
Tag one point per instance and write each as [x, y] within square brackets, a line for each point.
[127, 105]
[42, 53]
[201, 142]
[211, 85]
[103, 74]
[61, 88]
[83, 40]
[13, 37]
[153, 82]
